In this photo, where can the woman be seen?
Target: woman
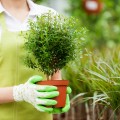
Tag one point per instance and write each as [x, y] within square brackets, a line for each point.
[20, 100]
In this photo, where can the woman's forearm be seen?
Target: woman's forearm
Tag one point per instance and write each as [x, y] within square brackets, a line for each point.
[6, 95]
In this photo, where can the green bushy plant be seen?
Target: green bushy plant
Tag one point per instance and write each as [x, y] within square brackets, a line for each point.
[52, 41]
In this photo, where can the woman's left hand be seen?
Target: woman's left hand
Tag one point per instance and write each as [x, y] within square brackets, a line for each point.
[67, 105]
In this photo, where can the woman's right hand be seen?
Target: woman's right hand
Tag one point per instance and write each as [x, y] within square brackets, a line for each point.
[37, 95]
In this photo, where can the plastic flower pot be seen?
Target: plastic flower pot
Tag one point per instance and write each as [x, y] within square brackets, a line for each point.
[62, 87]
[92, 6]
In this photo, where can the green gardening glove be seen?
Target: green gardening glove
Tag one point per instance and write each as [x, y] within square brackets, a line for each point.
[40, 96]
[67, 106]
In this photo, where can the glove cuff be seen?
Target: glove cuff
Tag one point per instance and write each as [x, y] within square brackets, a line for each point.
[17, 93]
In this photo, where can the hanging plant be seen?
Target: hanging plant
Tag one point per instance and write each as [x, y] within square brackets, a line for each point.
[92, 6]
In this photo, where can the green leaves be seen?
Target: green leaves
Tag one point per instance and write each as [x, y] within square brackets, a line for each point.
[96, 77]
[53, 41]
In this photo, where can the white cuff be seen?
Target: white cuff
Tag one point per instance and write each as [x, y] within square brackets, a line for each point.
[17, 93]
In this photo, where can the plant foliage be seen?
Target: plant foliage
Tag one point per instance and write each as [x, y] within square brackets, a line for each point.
[53, 41]
[96, 76]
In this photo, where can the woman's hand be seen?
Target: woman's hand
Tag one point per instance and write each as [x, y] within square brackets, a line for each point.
[37, 95]
[57, 76]
[67, 105]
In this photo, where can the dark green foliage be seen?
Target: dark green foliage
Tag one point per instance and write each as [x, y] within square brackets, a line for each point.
[53, 41]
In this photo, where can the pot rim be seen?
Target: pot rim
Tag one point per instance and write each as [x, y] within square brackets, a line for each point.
[54, 82]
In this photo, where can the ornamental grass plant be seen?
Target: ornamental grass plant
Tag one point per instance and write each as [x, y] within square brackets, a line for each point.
[105, 79]
[96, 77]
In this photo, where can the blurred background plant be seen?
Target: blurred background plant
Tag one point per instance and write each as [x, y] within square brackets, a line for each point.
[103, 27]
[96, 78]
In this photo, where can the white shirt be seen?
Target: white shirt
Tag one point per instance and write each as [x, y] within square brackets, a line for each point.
[14, 24]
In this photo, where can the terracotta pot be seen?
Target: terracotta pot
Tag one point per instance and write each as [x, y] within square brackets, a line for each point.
[92, 6]
[62, 87]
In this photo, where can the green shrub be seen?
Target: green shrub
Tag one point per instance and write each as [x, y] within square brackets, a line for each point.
[53, 41]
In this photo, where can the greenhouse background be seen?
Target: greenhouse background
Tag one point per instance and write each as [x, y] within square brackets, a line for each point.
[95, 75]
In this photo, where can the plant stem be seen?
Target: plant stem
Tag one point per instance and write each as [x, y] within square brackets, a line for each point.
[115, 116]
[47, 77]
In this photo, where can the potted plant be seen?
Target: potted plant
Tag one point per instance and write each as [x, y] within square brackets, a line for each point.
[51, 42]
